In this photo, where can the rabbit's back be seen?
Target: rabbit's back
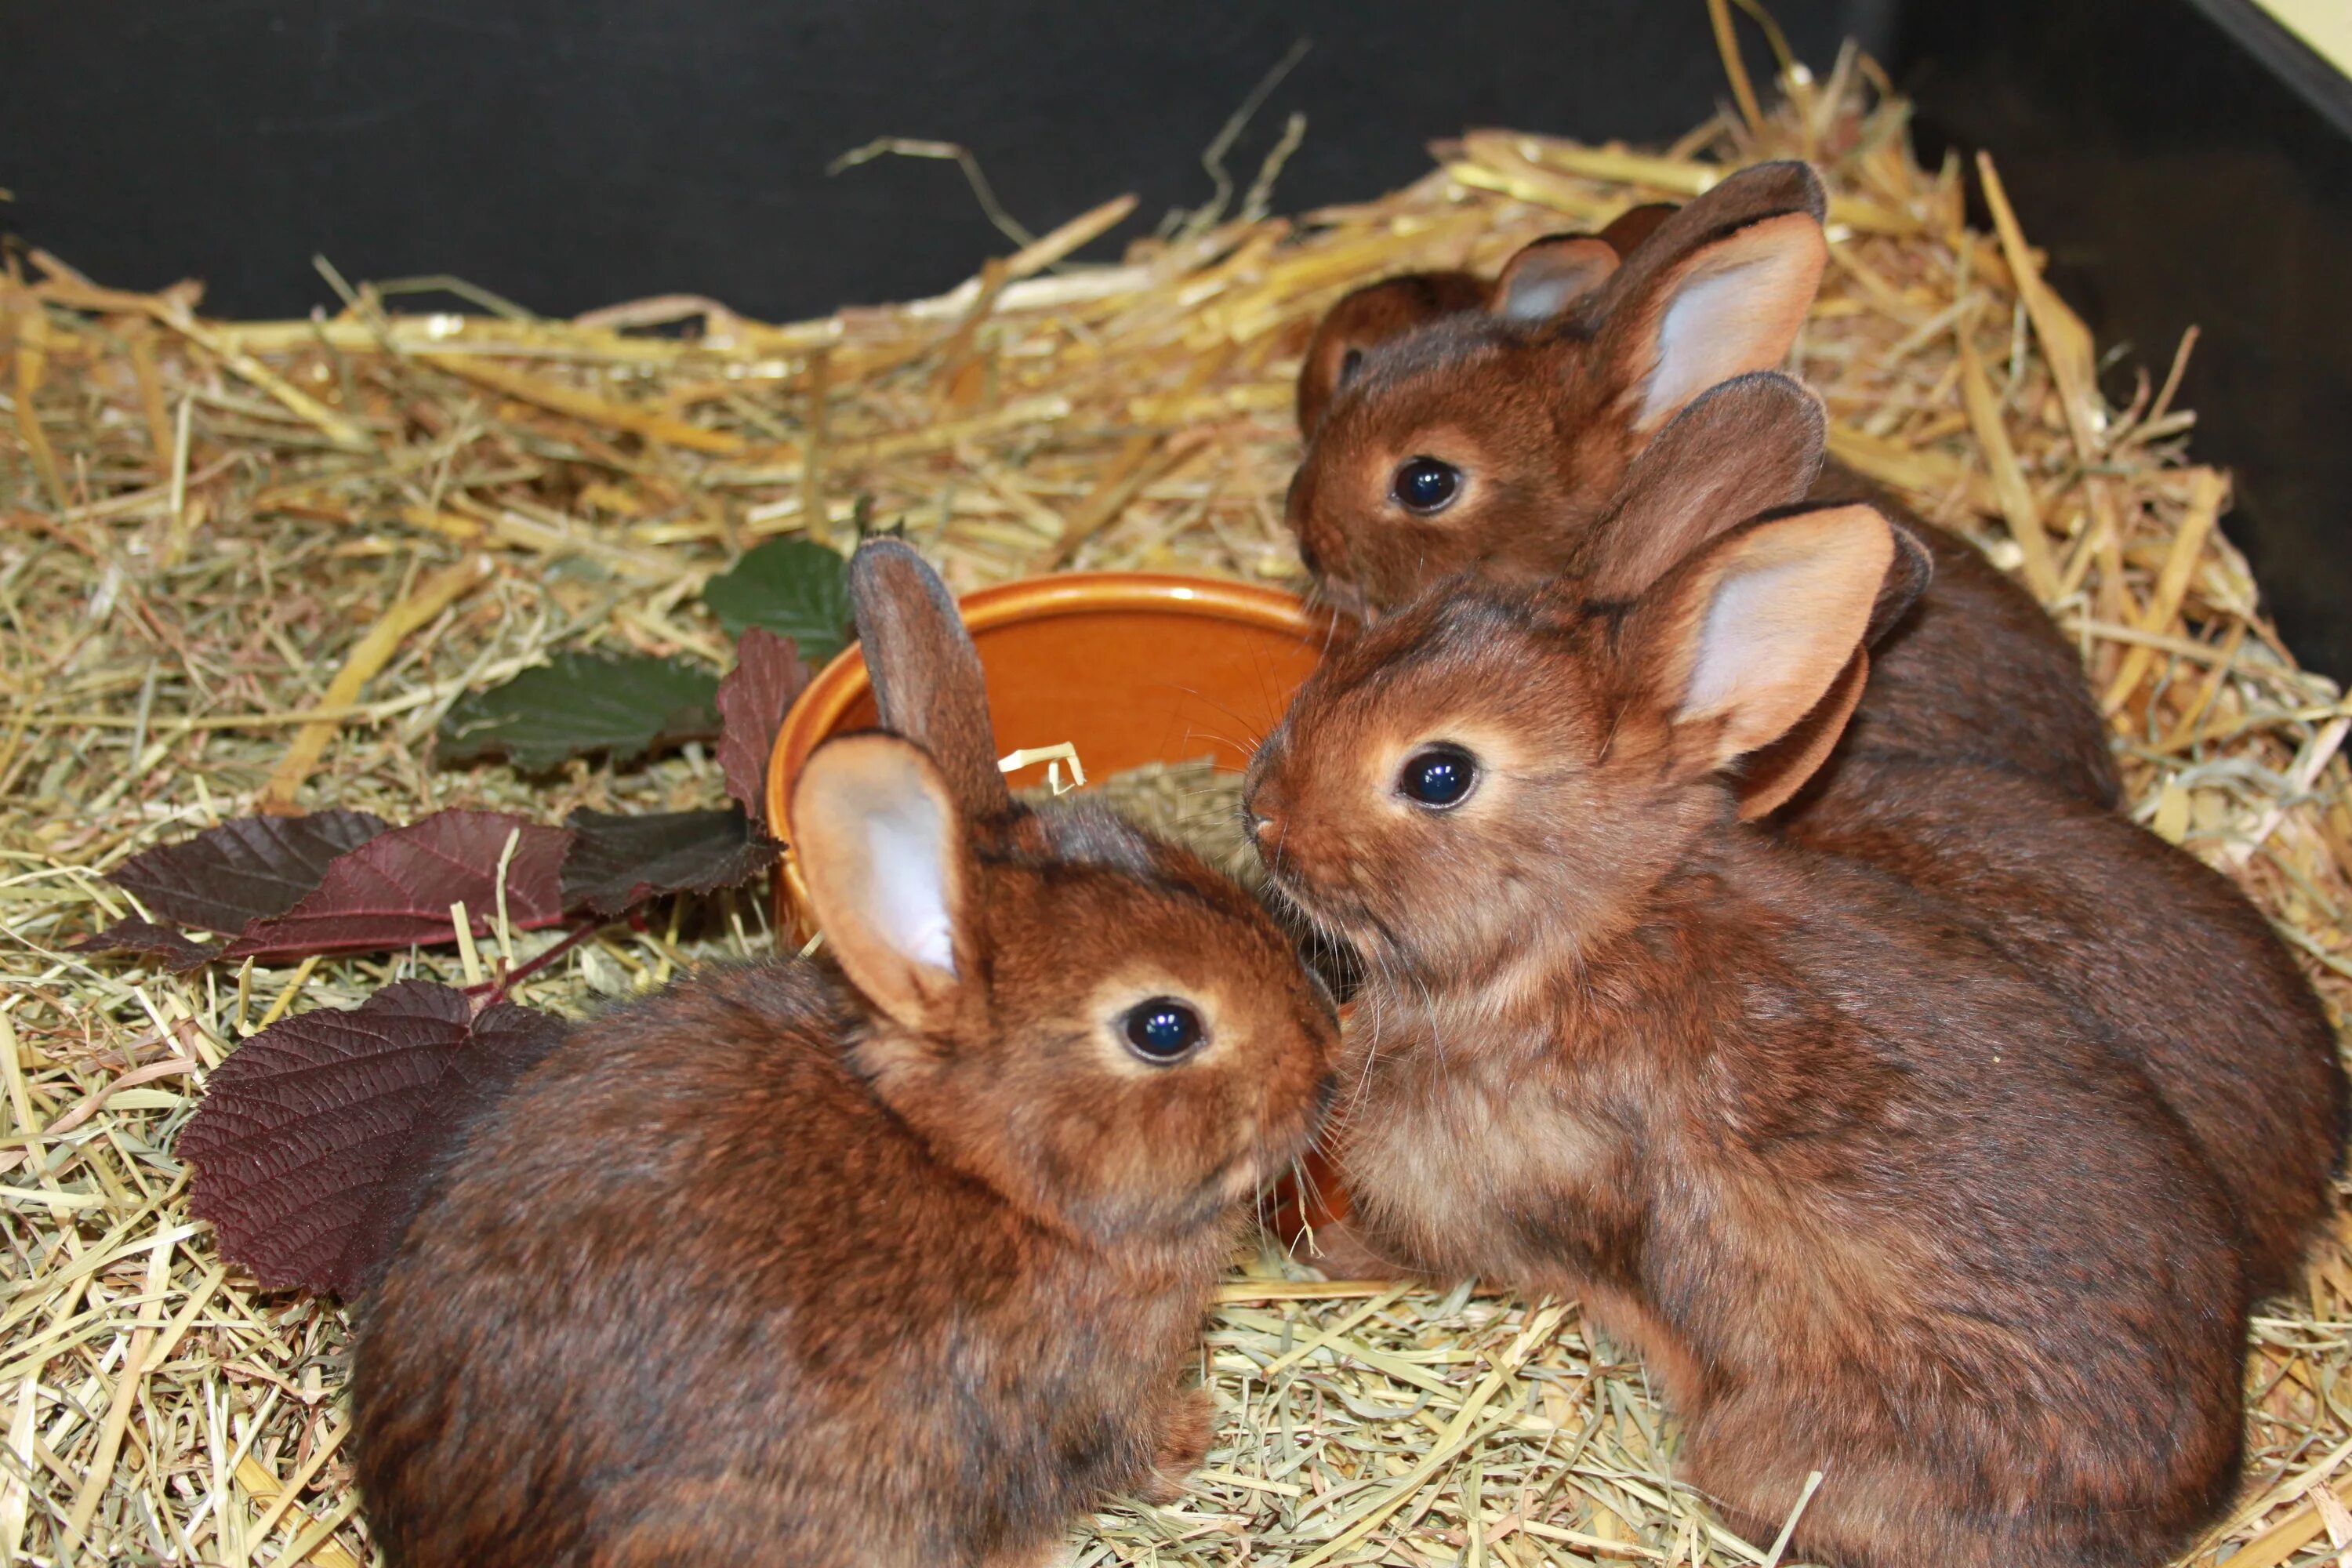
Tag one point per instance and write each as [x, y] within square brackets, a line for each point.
[2182, 973]
[1952, 1207]
[1976, 672]
[692, 1254]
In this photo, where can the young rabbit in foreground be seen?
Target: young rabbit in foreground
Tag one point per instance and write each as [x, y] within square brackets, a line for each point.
[1871, 1198]
[898, 1262]
[1446, 430]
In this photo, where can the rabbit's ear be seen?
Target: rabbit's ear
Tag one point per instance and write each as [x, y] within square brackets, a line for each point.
[1635, 225]
[926, 673]
[1366, 319]
[1908, 578]
[881, 845]
[1744, 448]
[1769, 776]
[1551, 274]
[1664, 233]
[1720, 289]
[1742, 641]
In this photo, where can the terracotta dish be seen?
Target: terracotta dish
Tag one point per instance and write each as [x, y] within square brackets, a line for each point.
[1128, 667]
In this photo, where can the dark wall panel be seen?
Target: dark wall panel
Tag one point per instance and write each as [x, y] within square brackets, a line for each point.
[570, 153]
[2176, 181]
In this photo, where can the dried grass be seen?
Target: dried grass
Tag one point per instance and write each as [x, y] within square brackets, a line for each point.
[249, 558]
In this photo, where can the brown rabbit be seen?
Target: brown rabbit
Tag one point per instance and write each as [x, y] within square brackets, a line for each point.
[2152, 943]
[2168, 956]
[1443, 434]
[896, 1258]
[1540, 282]
[1872, 1199]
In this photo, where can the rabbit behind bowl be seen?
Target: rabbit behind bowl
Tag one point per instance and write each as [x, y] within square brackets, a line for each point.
[1444, 431]
[1871, 1197]
[891, 1258]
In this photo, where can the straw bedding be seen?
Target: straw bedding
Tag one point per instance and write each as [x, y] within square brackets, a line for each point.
[244, 560]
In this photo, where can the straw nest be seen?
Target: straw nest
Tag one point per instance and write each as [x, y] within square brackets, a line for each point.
[249, 562]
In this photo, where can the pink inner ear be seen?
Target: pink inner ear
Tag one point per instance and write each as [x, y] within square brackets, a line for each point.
[906, 880]
[1775, 614]
[1747, 635]
[1549, 276]
[1737, 306]
[880, 846]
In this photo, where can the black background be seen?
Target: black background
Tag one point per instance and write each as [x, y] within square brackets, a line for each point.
[2176, 181]
[568, 154]
[571, 154]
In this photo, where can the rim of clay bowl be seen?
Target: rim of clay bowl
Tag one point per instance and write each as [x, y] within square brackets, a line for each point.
[842, 679]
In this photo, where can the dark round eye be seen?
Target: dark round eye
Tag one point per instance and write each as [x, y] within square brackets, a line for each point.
[1439, 777]
[1164, 1029]
[1424, 484]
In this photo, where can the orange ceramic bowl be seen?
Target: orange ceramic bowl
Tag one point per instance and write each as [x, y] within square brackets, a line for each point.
[1128, 667]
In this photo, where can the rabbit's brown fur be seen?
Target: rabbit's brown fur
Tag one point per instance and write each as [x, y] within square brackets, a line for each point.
[899, 1262]
[1544, 416]
[1370, 316]
[2145, 939]
[1873, 1196]
[2140, 933]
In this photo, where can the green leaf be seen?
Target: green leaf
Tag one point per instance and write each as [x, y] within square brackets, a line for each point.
[579, 704]
[793, 588]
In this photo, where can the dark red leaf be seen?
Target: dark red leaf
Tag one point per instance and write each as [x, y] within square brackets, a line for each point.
[148, 940]
[247, 870]
[507, 1040]
[616, 862]
[318, 1138]
[395, 890]
[753, 702]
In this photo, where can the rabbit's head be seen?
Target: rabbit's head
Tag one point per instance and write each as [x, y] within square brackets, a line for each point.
[1497, 775]
[1447, 435]
[1092, 1021]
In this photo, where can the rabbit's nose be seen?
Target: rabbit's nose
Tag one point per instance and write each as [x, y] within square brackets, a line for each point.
[1263, 799]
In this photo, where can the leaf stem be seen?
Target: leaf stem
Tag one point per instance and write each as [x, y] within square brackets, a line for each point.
[499, 988]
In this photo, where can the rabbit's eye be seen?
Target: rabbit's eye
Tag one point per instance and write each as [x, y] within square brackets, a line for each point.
[1164, 1029]
[1439, 777]
[1426, 485]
